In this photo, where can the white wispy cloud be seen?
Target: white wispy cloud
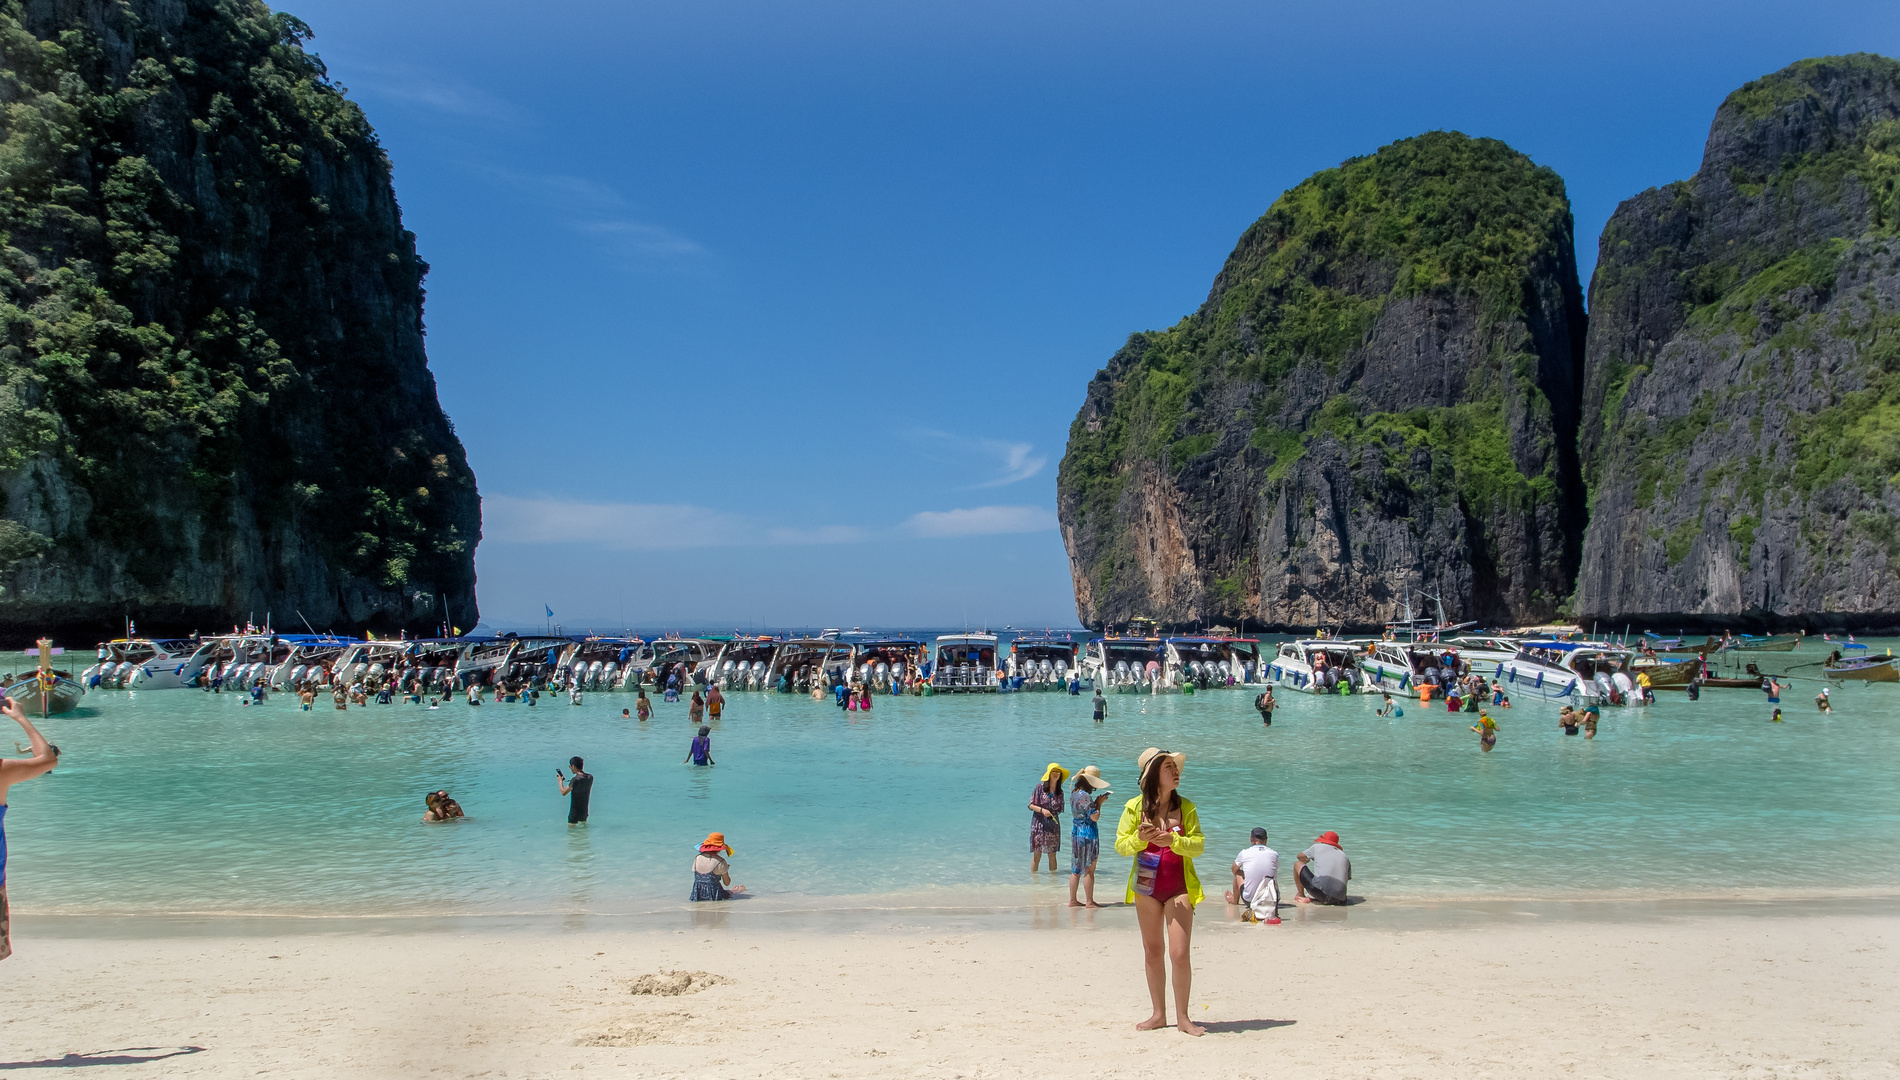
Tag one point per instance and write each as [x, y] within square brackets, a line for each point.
[605, 217]
[507, 519]
[981, 521]
[435, 92]
[1014, 461]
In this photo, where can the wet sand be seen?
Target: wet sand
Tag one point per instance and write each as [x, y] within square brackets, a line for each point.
[1772, 990]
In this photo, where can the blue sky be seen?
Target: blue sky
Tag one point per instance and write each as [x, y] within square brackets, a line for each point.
[768, 313]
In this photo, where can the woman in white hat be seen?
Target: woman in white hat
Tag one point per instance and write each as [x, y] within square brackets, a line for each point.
[1162, 832]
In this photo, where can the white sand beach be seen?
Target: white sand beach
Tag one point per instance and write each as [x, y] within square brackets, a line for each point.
[1781, 995]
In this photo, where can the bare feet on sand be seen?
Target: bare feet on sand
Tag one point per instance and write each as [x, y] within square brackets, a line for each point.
[1153, 1022]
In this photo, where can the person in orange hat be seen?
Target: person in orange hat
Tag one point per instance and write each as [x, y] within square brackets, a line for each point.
[712, 875]
[1323, 872]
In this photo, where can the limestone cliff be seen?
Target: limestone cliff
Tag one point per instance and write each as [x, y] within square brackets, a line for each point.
[216, 402]
[1378, 397]
[1741, 439]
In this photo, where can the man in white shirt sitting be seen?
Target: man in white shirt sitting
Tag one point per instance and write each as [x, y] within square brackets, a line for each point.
[1255, 871]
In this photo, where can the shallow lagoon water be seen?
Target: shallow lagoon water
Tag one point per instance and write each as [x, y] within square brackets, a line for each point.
[184, 802]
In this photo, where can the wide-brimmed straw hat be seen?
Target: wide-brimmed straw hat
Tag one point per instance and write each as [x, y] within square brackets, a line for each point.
[1094, 778]
[716, 842]
[1148, 756]
[1054, 769]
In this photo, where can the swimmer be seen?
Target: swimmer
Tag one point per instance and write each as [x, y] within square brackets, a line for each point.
[1487, 730]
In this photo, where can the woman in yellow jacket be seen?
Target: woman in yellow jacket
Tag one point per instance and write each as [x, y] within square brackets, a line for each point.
[1162, 831]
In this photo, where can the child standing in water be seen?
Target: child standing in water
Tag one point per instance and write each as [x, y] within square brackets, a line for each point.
[701, 753]
[1487, 730]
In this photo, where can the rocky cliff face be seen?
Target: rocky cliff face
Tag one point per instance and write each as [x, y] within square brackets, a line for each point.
[1742, 433]
[216, 402]
[1378, 397]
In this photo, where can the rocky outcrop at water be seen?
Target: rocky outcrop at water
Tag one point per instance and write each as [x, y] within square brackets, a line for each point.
[216, 401]
[1741, 438]
[1377, 399]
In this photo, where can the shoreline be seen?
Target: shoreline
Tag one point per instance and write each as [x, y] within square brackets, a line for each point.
[746, 916]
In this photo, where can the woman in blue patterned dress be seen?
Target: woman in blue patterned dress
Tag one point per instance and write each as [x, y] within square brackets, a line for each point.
[1045, 820]
[1085, 809]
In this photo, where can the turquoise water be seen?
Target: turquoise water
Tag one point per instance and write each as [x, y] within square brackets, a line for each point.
[178, 801]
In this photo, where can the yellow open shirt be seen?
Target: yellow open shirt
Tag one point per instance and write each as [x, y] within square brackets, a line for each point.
[1188, 844]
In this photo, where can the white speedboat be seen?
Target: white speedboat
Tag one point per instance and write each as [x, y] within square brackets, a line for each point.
[1399, 667]
[1316, 665]
[146, 663]
[878, 662]
[306, 659]
[1210, 662]
[965, 663]
[1483, 652]
[1127, 665]
[595, 663]
[237, 661]
[802, 663]
[1573, 672]
[744, 663]
[1042, 661]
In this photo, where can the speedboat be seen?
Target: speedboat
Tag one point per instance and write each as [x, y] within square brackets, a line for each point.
[744, 663]
[878, 662]
[237, 661]
[146, 663]
[1210, 662]
[964, 663]
[689, 658]
[802, 663]
[1574, 672]
[1128, 665]
[595, 663]
[1315, 665]
[1042, 661]
[306, 659]
[1401, 667]
[1484, 653]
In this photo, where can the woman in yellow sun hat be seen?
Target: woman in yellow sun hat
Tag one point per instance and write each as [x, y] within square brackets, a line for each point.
[1045, 817]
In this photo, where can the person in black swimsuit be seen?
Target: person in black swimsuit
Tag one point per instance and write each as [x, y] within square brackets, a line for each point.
[578, 788]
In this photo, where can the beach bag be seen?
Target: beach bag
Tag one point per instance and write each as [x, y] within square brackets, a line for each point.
[1266, 900]
[1147, 865]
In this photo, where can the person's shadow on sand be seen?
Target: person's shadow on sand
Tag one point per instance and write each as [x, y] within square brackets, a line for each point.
[131, 1055]
[1227, 1027]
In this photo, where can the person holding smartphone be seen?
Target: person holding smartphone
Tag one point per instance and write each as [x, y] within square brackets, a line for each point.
[1161, 831]
[45, 756]
[578, 788]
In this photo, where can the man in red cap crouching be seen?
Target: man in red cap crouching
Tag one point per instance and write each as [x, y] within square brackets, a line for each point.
[1323, 872]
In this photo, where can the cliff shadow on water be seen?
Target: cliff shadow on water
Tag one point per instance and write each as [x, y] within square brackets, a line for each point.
[1377, 401]
[216, 400]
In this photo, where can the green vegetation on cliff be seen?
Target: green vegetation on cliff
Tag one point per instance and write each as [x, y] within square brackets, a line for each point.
[1436, 214]
[209, 311]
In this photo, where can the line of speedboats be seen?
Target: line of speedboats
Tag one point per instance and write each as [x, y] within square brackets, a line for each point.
[950, 663]
[1547, 668]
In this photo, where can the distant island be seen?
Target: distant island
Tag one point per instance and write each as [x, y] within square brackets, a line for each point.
[1393, 395]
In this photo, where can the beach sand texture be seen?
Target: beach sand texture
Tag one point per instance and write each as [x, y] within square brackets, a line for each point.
[1757, 996]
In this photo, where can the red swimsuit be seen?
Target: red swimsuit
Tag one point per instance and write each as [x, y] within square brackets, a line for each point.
[1170, 876]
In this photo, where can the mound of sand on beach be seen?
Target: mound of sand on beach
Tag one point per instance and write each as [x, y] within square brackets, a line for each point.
[675, 983]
